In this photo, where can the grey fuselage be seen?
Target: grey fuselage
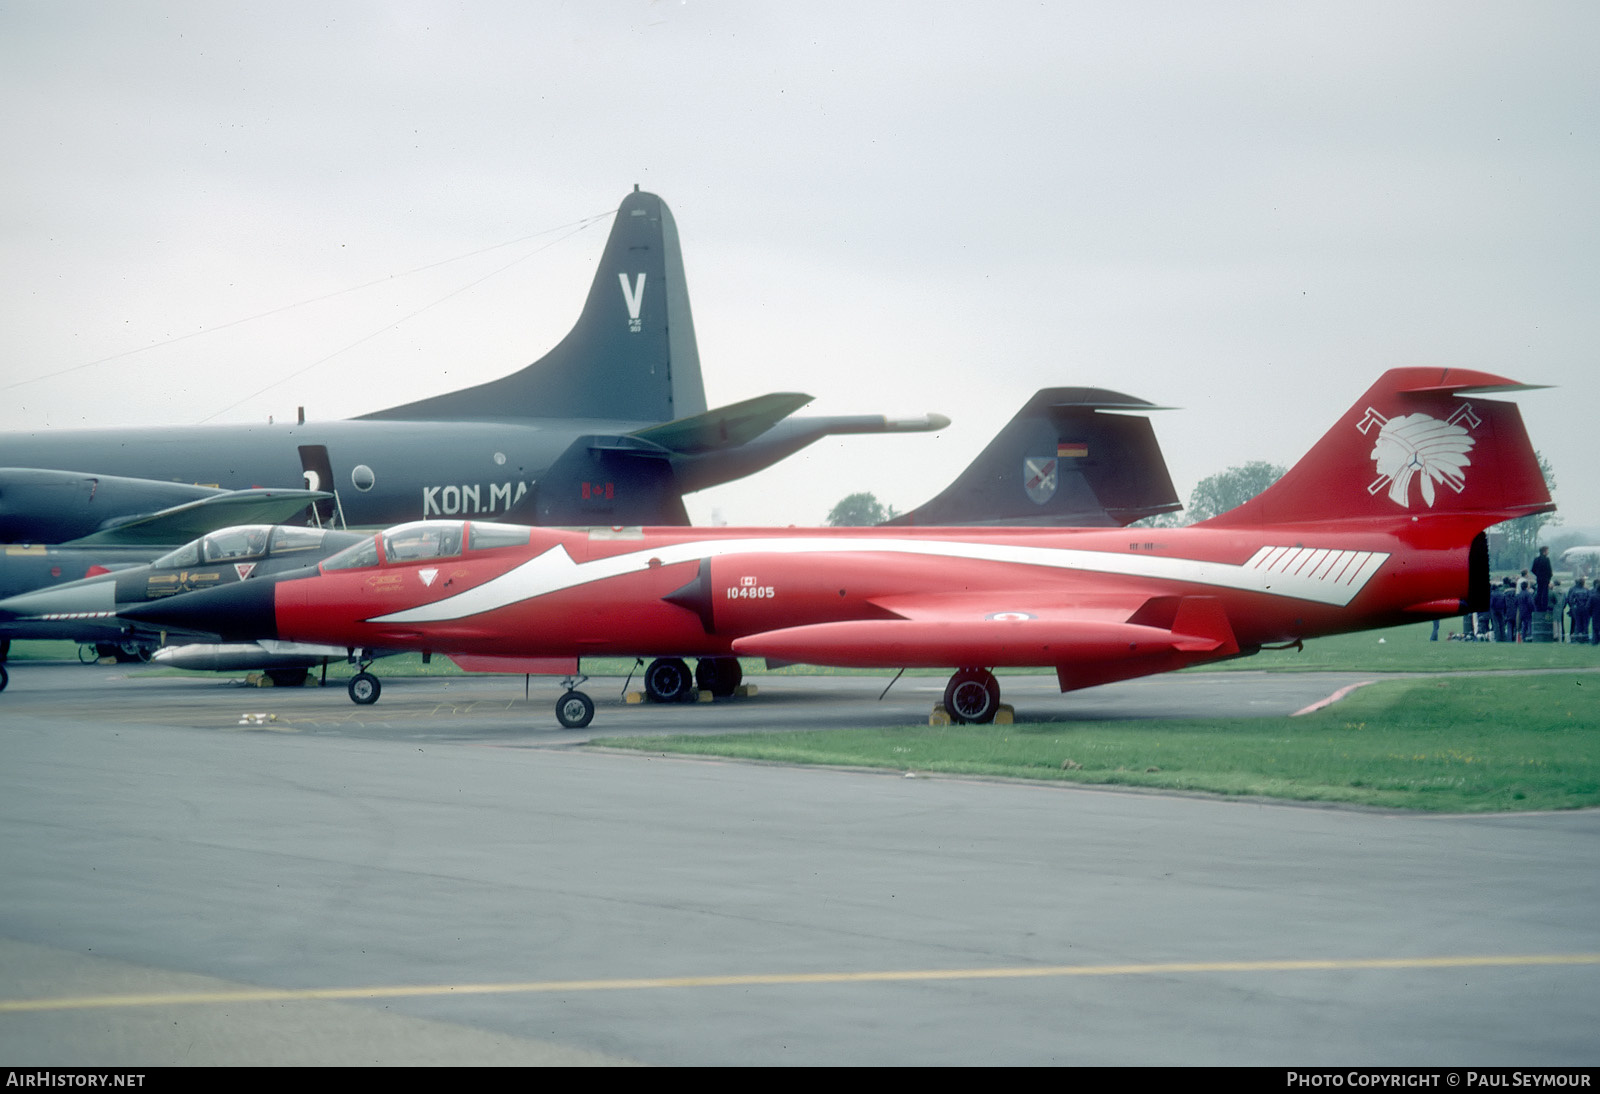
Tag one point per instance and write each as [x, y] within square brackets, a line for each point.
[383, 472]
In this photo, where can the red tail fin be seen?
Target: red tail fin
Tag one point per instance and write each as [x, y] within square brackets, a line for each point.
[1420, 442]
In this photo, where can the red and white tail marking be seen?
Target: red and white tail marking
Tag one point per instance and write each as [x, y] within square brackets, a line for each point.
[1317, 567]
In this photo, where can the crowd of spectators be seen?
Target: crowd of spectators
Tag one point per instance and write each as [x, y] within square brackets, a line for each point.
[1517, 604]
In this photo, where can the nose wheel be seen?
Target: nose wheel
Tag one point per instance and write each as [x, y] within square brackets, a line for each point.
[365, 688]
[574, 710]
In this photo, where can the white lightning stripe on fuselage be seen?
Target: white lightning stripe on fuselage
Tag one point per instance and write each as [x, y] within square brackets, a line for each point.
[1272, 570]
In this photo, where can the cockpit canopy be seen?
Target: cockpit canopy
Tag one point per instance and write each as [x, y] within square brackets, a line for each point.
[242, 542]
[427, 539]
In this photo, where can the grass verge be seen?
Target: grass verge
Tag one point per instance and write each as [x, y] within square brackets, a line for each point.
[1458, 744]
[1408, 649]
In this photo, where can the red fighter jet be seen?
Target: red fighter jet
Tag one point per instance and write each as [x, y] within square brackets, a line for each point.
[1381, 523]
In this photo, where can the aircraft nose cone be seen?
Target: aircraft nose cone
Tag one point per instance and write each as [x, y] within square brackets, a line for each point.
[241, 612]
[97, 596]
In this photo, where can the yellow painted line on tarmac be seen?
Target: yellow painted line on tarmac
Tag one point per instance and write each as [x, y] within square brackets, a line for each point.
[1028, 972]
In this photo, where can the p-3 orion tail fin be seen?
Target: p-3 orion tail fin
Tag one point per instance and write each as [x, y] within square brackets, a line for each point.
[631, 356]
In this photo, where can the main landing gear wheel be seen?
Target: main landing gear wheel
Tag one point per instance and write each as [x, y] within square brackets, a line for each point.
[972, 695]
[574, 710]
[4, 678]
[365, 688]
[718, 675]
[667, 680]
[289, 678]
[88, 654]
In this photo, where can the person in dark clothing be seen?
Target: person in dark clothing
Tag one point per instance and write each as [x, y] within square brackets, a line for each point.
[1501, 610]
[1524, 613]
[1542, 571]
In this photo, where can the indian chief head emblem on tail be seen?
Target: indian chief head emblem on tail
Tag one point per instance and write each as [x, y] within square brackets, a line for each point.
[1413, 443]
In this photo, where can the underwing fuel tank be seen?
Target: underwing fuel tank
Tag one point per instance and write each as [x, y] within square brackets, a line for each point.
[245, 656]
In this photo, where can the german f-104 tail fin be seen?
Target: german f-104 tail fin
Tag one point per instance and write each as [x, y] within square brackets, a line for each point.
[1072, 456]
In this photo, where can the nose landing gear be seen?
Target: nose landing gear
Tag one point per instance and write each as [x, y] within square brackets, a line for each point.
[574, 709]
[365, 688]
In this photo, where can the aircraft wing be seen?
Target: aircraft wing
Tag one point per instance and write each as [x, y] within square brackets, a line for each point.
[191, 520]
[964, 630]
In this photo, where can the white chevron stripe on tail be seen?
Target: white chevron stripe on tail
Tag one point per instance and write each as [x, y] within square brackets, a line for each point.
[1314, 573]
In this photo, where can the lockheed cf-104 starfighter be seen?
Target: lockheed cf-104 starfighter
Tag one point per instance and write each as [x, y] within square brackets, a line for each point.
[1380, 523]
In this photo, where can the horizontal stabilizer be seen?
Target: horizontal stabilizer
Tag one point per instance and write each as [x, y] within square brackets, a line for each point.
[1459, 381]
[699, 470]
[725, 426]
[641, 477]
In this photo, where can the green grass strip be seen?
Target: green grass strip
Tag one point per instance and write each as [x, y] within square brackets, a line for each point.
[1456, 744]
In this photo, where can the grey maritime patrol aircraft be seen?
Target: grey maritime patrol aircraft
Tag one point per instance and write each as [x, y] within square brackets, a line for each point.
[608, 428]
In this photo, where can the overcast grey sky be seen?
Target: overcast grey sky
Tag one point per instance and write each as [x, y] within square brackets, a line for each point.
[1246, 210]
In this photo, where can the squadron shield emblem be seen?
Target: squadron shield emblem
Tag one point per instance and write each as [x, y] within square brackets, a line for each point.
[1422, 448]
[1039, 478]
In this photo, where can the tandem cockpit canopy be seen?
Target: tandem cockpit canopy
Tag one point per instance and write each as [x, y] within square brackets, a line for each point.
[242, 542]
[428, 539]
